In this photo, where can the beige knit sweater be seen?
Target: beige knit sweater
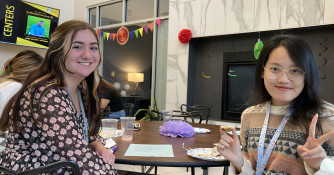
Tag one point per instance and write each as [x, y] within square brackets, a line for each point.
[284, 158]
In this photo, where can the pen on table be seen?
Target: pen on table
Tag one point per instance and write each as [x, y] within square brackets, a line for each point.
[113, 150]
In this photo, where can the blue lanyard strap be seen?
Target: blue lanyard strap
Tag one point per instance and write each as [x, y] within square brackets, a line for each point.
[262, 159]
[83, 114]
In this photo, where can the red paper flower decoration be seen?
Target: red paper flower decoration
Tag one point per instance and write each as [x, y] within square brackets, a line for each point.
[185, 36]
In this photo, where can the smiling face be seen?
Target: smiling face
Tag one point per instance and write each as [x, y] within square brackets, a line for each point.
[282, 90]
[84, 56]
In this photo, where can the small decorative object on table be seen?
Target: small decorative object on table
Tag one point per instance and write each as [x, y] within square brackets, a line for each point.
[176, 128]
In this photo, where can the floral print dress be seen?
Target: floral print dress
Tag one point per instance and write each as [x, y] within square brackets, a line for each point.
[57, 137]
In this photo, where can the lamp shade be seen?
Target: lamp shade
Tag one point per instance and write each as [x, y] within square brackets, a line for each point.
[136, 77]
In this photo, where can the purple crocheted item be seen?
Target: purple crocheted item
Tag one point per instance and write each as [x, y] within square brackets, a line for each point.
[176, 128]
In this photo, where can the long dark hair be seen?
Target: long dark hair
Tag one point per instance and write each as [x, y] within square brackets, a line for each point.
[308, 102]
[52, 70]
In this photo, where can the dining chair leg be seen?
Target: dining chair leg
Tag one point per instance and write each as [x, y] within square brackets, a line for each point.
[156, 170]
[205, 170]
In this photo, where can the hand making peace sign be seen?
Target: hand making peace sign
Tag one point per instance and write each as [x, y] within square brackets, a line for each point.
[312, 152]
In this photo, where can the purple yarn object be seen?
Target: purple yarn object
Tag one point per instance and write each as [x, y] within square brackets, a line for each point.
[176, 128]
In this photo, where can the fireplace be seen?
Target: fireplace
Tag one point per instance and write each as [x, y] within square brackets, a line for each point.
[238, 83]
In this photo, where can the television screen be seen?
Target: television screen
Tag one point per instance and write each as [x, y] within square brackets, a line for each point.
[26, 23]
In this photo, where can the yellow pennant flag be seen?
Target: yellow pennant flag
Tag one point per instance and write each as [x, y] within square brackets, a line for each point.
[141, 31]
[108, 36]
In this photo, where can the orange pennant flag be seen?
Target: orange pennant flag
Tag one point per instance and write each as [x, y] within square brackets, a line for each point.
[141, 31]
[113, 36]
[151, 26]
[98, 32]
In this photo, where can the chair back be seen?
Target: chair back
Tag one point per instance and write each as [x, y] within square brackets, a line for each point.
[182, 114]
[155, 115]
[197, 111]
[45, 169]
[105, 112]
[128, 107]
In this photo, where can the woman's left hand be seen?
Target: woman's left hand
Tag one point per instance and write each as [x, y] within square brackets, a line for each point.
[312, 152]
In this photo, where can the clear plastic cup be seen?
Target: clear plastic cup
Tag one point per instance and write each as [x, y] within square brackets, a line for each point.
[166, 115]
[109, 127]
[127, 127]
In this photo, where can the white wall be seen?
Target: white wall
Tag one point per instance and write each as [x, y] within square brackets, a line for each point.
[66, 13]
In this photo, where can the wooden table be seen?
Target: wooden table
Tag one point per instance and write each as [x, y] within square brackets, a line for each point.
[149, 134]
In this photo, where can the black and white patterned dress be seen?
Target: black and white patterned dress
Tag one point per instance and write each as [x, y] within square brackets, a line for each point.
[59, 136]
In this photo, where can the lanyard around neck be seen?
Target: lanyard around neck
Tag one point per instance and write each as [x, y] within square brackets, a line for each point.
[262, 159]
[83, 114]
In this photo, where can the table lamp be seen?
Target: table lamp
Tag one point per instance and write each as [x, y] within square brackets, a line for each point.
[136, 78]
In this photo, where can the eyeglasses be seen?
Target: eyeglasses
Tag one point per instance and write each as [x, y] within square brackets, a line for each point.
[294, 73]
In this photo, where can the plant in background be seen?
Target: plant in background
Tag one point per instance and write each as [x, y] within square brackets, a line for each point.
[151, 113]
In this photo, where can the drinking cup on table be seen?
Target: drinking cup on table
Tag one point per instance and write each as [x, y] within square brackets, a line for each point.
[127, 127]
[166, 115]
[109, 127]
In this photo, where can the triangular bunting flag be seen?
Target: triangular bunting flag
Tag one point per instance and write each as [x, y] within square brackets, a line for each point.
[145, 28]
[151, 26]
[102, 34]
[113, 36]
[141, 31]
[108, 35]
[98, 32]
[158, 22]
[136, 32]
[131, 34]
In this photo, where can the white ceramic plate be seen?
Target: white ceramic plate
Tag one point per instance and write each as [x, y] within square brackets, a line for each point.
[205, 154]
[202, 130]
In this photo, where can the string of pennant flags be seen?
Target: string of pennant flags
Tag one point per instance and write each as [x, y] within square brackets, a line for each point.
[123, 34]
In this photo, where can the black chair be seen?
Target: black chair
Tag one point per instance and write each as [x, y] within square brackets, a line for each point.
[197, 111]
[45, 169]
[105, 112]
[128, 107]
[155, 115]
[182, 114]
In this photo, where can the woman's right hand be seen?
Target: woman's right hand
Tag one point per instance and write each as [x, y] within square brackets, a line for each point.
[230, 148]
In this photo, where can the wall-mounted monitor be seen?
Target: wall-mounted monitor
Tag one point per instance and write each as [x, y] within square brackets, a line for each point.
[26, 23]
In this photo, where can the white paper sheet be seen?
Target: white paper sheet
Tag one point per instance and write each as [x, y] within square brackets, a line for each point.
[150, 150]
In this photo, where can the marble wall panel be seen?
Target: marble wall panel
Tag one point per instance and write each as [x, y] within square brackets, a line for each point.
[239, 16]
[329, 12]
[190, 16]
[213, 18]
[173, 27]
[267, 15]
[177, 78]
[301, 13]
